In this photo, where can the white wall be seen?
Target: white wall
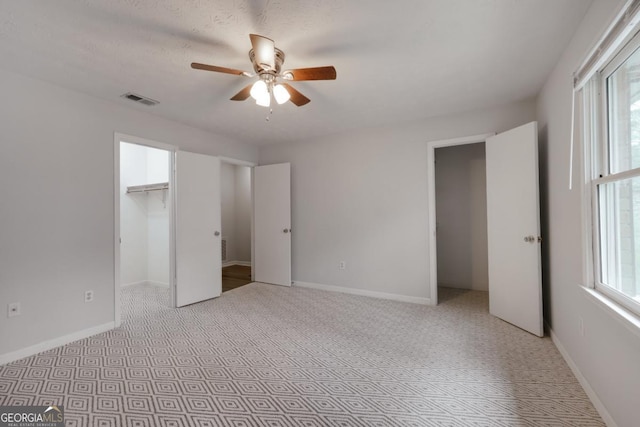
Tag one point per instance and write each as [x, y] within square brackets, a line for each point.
[461, 216]
[361, 197]
[236, 211]
[608, 354]
[57, 205]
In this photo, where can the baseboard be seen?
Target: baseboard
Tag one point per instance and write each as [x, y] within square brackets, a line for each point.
[146, 282]
[126, 285]
[158, 284]
[56, 342]
[230, 263]
[363, 292]
[593, 396]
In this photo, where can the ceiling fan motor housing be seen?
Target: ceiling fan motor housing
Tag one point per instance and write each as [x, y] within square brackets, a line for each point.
[264, 68]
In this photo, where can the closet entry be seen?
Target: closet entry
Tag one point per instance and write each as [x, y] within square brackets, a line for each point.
[512, 225]
[167, 225]
[145, 212]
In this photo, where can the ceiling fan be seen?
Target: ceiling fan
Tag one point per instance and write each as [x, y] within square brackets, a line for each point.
[267, 62]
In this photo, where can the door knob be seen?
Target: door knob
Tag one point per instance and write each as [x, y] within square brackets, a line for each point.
[216, 233]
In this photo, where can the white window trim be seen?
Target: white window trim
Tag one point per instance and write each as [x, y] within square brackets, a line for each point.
[617, 304]
[625, 317]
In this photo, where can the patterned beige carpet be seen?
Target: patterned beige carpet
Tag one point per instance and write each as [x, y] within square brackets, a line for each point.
[266, 355]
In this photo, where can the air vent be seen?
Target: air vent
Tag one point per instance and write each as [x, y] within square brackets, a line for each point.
[224, 249]
[140, 99]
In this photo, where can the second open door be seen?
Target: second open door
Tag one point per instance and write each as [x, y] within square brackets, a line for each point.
[513, 228]
[272, 224]
[198, 241]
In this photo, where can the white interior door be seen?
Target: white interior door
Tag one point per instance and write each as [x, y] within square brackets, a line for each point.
[272, 224]
[198, 240]
[513, 226]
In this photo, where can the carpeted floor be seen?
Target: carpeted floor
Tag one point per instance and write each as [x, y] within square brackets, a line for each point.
[264, 355]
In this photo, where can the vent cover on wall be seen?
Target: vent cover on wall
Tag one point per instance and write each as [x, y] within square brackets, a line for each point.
[224, 249]
[140, 99]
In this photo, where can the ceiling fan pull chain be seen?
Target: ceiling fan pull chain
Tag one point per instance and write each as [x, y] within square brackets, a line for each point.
[269, 116]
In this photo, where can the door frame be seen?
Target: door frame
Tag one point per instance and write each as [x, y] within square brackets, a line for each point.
[117, 139]
[431, 197]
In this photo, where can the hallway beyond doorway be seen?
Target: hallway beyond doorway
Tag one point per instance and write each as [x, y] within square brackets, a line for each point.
[235, 276]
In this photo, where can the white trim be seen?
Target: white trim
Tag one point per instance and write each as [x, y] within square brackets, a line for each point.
[126, 285]
[116, 230]
[237, 162]
[620, 176]
[431, 195]
[362, 292]
[230, 263]
[158, 284]
[621, 314]
[143, 141]
[621, 27]
[597, 403]
[56, 342]
[146, 283]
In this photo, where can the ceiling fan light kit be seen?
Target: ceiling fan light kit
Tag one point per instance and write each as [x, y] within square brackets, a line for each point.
[267, 63]
[280, 94]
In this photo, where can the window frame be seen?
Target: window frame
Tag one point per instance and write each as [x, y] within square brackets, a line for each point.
[598, 165]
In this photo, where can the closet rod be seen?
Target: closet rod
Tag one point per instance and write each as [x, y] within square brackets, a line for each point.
[148, 187]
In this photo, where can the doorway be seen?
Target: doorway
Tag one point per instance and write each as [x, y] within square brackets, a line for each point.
[512, 212]
[192, 203]
[461, 219]
[432, 217]
[236, 208]
[144, 261]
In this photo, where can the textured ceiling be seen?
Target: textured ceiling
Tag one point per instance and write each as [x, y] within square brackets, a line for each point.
[396, 60]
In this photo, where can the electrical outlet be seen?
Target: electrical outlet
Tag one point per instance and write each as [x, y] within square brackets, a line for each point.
[13, 309]
[581, 326]
[342, 265]
[88, 296]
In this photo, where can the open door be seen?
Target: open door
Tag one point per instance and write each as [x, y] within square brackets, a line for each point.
[513, 227]
[272, 224]
[198, 240]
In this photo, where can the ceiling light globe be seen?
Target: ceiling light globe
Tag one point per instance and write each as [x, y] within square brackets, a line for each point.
[259, 90]
[264, 100]
[281, 94]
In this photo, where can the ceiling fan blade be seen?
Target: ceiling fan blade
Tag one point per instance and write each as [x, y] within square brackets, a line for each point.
[217, 69]
[315, 73]
[296, 97]
[243, 94]
[264, 50]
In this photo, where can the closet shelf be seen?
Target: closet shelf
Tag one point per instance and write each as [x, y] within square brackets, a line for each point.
[148, 187]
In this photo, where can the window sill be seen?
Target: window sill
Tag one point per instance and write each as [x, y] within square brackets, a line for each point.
[628, 319]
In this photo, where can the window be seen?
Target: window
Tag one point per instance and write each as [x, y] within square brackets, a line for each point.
[615, 177]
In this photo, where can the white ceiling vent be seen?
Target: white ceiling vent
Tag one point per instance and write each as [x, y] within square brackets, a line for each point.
[140, 99]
